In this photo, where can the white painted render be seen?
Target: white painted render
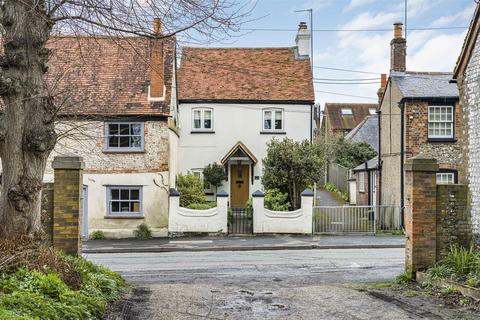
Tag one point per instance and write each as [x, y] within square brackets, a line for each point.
[234, 122]
[268, 221]
[188, 220]
[154, 203]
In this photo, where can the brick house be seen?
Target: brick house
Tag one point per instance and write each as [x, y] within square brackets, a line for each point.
[420, 114]
[341, 118]
[117, 95]
[467, 76]
[233, 101]
[364, 178]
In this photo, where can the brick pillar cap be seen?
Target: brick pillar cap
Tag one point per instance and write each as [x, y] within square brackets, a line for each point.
[68, 162]
[222, 194]
[258, 194]
[421, 163]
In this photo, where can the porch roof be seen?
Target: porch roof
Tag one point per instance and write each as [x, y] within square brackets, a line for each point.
[239, 146]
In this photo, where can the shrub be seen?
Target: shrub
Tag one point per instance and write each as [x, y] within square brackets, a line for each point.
[351, 154]
[54, 286]
[142, 232]
[191, 189]
[97, 235]
[214, 174]
[439, 271]
[202, 206]
[276, 200]
[461, 261]
[404, 277]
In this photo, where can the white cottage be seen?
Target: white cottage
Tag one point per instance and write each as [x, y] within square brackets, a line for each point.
[233, 101]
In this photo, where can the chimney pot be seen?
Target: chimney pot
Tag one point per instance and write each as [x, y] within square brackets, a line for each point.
[157, 26]
[398, 30]
[302, 25]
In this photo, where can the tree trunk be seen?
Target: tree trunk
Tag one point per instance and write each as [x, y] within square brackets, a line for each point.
[27, 134]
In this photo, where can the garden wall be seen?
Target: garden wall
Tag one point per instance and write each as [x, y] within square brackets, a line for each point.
[268, 221]
[186, 220]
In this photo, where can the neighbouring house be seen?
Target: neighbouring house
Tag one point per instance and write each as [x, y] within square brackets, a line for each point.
[341, 118]
[467, 76]
[420, 114]
[363, 180]
[233, 101]
[117, 96]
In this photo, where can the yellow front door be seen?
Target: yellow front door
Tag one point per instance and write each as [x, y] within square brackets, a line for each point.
[239, 183]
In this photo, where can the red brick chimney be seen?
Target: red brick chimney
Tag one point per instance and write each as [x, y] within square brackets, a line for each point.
[156, 63]
[381, 90]
[398, 47]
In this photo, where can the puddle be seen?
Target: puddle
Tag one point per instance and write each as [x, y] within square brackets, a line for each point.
[257, 304]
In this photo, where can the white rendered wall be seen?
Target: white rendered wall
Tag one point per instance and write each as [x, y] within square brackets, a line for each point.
[214, 220]
[233, 123]
[268, 221]
[154, 204]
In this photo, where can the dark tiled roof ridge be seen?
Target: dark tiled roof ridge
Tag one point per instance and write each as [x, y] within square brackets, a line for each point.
[429, 73]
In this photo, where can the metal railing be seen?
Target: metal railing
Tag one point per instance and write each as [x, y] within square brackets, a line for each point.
[357, 219]
[240, 221]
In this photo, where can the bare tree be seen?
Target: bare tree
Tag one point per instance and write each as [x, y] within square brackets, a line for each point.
[27, 124]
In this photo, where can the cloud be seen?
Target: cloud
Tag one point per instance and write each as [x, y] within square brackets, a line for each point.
[464, 15]
[354, 4]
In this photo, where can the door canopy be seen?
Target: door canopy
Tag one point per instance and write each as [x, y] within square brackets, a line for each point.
[239, 150]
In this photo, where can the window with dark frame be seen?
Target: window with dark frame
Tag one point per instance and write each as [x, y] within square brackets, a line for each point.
[124, 200]
[440, 122]
[124, 136]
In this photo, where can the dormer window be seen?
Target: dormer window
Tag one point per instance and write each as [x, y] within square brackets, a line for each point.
[372, 111]
[347, 111]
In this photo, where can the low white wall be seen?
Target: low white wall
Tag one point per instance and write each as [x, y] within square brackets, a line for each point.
[268, 221]
[188, 220]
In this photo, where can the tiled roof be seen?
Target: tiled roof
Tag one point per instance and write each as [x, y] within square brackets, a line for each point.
[425, 85]
[248, 74]
[366, 131]
[337, 121]
[106, 76]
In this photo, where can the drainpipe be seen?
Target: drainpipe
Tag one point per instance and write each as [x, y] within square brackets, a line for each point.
[379, 164]
[402, 158]
[311, 123]
[369, 183]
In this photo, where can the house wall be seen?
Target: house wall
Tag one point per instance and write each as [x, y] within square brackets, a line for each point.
[148, 169]
[390, 146]
[470, 95]
[447, 154]
[362, 197]
[233, 123]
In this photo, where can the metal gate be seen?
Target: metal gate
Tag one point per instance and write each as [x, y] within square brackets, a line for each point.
[240, 221]
[357, 219]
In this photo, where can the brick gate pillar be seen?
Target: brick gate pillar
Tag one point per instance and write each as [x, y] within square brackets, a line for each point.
[67, 203]
[420, 212]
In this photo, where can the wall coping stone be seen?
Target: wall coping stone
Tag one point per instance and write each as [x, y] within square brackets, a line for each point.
[174, 192]
[68, 162]
[420, 163]
[307, 193]
[222, 194]
[258, 194]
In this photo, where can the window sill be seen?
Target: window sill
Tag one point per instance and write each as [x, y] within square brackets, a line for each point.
[124, 151]
[272, 132]
[202, 132]
[442, 140]
[125, 216]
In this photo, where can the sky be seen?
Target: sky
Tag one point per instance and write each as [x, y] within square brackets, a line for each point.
[368, 51]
